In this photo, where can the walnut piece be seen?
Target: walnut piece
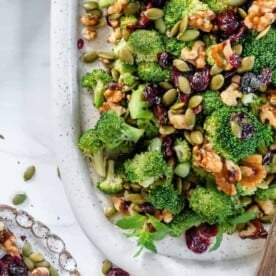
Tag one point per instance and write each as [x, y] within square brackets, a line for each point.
[115, 35]
[204, 156]
[261, 14]
[89, 20]
[41, 271]
[252, 171]
[268, 113]
[202, 20]
[117, 7]
[89, 33]
[227, 177]
[196, 55]
[231, 94]
[266, 205]
[254, 230]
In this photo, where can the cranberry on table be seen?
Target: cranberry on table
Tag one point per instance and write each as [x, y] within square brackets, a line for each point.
[117, 272]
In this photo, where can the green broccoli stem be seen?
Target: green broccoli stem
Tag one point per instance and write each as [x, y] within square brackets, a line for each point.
[98, 92]
[131, 133]
[99, 163]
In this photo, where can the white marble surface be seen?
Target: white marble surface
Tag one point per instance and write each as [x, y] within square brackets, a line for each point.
[26, 123]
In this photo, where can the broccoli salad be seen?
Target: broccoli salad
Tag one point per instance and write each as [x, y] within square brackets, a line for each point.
[185, 143]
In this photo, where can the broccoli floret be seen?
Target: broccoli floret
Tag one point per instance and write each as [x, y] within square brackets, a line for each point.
[127, 79]
[211, 102]
[266, 194]
[152, 72]
[211, 205]
[166, 197]
[123, 67]
[183, 222]
[91, 146]
[112, 184]
[97, 81]
[151, 127]
[126, 21]
[147, 167]
[174, 46]
[175, 9]
[145, 45]
[273, 78]
[263, 49]
[219, 129]
[245, 191]
[182, 150]
[115, 133]
[219, 6]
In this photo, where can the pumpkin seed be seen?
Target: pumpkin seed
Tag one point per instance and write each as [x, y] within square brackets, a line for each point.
[183, 24]
[179, 185]
[169, 97]
[215, 70]
[53, 271]
[154, 13]
[36, 257]
[106, 266]
[105, 55]
[91, 5]
[196, 137]
[181, 65]
[166, 130]
[135, 187]
[28, 263]
[182, 169]
[245, 201]
[126, 56]
[29, 173]
[114, 16]
[266, 218]
[19, 198]
[242, 13]
[166, 85]
[27, 249]
[160, 25]
[263, 33]
[178, 106]
[246, 64]
[184, 85]
[236, 129]
[42, 264]
[132, 8]
[188, 35]
[175, 29]
[187, 137]
[110, 212]
[115, 74]
[89, 57]
[237, 49]
[136, 198]
[195, 101]
[96, 13]
[217, 82]
[189, 118]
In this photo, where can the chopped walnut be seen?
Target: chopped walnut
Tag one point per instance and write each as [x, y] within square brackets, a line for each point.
[89, 33]
[89, 20]
[252, 170]
[231, 94]
[117, 7]
[254, 230]
[227, 177]
[112, 106]
[266, 205]
[167, 216]
[182, 121]
[114, 95]
[261, 14]
[121, 205]
[115, 36]
[268, 113]
[204, 156]
[202, 20]
[8, 241]
[196, 55]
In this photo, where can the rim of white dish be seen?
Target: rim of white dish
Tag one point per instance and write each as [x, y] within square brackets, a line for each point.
[75, 176]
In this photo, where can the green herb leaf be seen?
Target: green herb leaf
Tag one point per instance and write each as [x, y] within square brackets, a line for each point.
[146, 240]
[132, 222]
[219, 238]
[243, 218]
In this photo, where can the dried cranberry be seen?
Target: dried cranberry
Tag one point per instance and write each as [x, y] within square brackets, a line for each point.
[117, 272]
[198, 109]
[249, 83]
[200, 79]
[175, 74]
[147, 208]
[235, 60]
[143, 23]
[207, 231]
[80, 43]
[184, 97]
[165, 59]
[195, 242]
[152, 94]
[265, 76]
[17, 270]
[167, 146]
[247, 129]
[114, 86]
[227, 22]
[237, 34]
[161, 114]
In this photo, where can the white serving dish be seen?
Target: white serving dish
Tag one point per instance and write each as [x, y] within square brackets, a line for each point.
[72, 111]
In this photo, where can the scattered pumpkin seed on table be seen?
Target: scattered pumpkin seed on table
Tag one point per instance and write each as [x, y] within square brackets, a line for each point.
[29, 173]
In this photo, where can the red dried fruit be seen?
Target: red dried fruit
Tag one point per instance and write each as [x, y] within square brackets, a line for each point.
[207, 231]
[195, 242]
[227, 22]
[235, 60]
[161, 114]
[200, 79]
[152, 94]
[165, 59]
[117, 272]
[80, 44]
[167, 146]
